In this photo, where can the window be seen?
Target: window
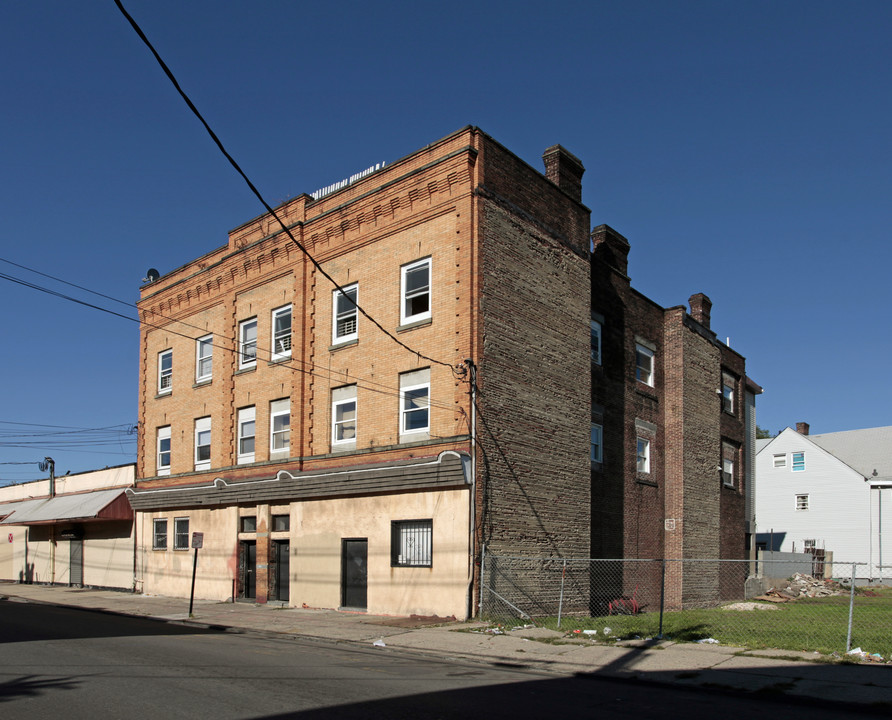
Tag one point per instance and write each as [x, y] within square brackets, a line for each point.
[344, 314]
[343, 415]
[204, 348]
[248, 524]
[279, 426]
[644, 364]
[246, 432]
[802, 502]
[165, 372]
[247, 343]
[728, 394]
[780, 460]
[411, 543]
[181, 533]
[159, 534]
[643, 455]
[798, 462]
[729, 458]
[597, 444]
[415, 290]
[162, 464]
[281, 523]
[415, 402]
[596, 342]
[203, 443]
[281, 333]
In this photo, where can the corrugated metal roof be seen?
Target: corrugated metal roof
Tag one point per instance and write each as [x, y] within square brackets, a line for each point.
[79, 506]
[862, 450]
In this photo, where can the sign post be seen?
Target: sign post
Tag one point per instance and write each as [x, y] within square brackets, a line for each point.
[197, 542]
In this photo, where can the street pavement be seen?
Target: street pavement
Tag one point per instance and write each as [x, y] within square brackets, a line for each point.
[805, 676]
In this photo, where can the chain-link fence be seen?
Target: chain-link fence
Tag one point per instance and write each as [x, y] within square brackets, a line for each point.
[791, 603]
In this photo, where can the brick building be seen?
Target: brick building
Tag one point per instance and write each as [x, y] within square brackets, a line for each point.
[330, 463]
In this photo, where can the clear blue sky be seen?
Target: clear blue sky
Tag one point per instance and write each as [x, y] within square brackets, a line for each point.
[743, 148]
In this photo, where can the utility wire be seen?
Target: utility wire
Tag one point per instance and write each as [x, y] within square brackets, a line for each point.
[257, 193]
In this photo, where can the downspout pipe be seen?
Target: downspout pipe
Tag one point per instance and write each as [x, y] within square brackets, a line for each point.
[472, 511]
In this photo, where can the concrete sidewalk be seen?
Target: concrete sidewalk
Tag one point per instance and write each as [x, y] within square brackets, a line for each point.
[690, 665]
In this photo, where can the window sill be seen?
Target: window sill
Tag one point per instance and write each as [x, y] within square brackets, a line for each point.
[201, 383]
[423, 567]
[649, 394]
[279, 360]
[154, 549]
[164, 395]
[414, 324]
[646, 481]
[344, 344]
[415, 437]
[343, 448]
[242, 371]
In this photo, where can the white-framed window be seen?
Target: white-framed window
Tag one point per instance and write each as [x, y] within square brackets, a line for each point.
[247, 343]
[596, 342]
[798, 462]
[643, 461]
[203, 443]
[181, 533]
[343, 415]
[246, 435]
[597, 446]
[165, 372]
[344, 314]
[281, 324]
[729, 459]
[802, 502]
[162, 464]
[415, 291]
[644, 364]
[728, 394]
[279, 426]
[204, 350]
[415, 390]
[411, 543]
[780, 460]
[159, 534]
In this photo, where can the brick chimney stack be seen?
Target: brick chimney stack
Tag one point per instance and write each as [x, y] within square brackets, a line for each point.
[802, 428]
[701, 308]
[565, 170]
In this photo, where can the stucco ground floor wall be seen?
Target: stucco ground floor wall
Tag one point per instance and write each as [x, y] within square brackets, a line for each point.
[41, 554]
[314, 533]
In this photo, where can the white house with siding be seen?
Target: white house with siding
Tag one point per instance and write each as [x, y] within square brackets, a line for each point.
[831, 491]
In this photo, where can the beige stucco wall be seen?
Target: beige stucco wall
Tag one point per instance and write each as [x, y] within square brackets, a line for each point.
[317, 528]
[12, 554]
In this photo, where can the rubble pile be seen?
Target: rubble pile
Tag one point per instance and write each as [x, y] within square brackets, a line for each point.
[801, 585]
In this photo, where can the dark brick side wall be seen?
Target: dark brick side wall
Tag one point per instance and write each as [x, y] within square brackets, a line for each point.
[534, 381]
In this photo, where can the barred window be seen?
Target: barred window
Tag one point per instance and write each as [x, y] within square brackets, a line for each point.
[411, 543]
[181, 534]
[159, 534]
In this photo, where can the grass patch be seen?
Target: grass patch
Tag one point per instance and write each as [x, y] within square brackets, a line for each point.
[807, 624]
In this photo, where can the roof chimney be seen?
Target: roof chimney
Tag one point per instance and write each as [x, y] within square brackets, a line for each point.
[802, 428]
[565, 170]
[701, 308]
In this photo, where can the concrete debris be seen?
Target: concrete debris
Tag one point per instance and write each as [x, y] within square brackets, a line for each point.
[801, 585]
[708, 641]
[748, 606]
[379, 643]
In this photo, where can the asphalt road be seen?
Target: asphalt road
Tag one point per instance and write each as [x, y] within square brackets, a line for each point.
[71, 664]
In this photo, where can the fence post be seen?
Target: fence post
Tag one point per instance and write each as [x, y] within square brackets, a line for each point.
[482, 568]
[561, 601]
[662, 597]
[851, 610]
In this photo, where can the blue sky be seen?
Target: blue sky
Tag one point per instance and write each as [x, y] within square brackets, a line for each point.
[743, 148]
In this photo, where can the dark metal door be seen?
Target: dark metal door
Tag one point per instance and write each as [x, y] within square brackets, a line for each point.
[354, 573]
[76, 562]
[282, 569]
[249, 569]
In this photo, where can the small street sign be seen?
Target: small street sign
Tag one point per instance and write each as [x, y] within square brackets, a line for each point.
[197, 539]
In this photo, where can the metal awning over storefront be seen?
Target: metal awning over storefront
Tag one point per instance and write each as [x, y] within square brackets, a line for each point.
[81, 507]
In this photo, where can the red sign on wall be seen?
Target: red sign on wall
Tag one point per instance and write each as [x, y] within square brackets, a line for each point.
[10, 537]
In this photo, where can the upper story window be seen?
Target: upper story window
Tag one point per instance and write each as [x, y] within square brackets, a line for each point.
[165, 372]
[729, 456]
[204, 348]
[344, 314]
[780, 460]
[644, 364]
[596, 342]
[343, 415]
[279, 426]
[643, 461]
[798, 462]
[415, 389]
[203, 443]
[415, 291]
[162, 464]
[281, 333]
[246, 433]
[728, 384]
[247, 343]
[597, 445]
